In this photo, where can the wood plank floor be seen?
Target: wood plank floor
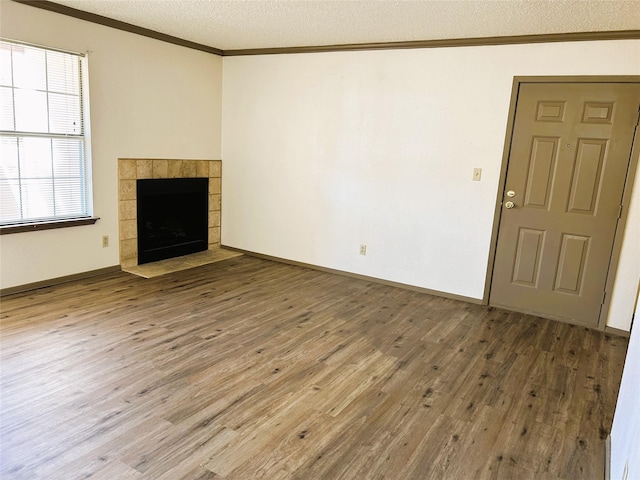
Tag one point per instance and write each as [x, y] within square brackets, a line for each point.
[250, 369]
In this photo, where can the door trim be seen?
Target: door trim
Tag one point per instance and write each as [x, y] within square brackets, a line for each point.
[626, 197]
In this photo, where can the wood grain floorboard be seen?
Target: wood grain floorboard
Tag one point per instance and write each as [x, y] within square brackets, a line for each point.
[250, 369]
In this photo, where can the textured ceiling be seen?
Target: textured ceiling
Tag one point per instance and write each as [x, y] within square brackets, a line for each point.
[241, 24]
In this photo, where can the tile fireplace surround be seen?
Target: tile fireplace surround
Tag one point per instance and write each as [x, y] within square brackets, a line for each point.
[132, 169]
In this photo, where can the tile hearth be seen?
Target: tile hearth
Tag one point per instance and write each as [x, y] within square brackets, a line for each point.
[177, 264]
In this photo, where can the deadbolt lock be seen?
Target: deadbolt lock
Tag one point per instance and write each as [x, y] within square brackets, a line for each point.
[511, 194]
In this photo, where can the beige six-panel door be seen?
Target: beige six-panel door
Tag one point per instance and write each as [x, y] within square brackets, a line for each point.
[566, 174]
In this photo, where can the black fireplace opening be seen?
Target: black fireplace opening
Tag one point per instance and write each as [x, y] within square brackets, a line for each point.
[173, 217]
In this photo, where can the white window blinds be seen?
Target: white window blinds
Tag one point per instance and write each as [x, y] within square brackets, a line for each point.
[44, 159]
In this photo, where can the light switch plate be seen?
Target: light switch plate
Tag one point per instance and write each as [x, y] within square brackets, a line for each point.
[477, 173]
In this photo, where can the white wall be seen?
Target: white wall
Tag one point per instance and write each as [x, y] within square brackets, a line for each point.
[625, 287]
[326, 151]
[149, 99]
[625, 434]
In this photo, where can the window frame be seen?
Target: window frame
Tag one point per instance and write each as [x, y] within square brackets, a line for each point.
[84, 139]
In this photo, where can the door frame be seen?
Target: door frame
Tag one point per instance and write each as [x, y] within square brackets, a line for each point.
[626, 196]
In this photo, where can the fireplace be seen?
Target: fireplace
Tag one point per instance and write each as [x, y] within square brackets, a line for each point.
[172, 217]
[130, 170]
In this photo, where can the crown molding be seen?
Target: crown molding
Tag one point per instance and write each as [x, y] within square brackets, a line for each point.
[440, 43]
[443, 43]
[117, 24]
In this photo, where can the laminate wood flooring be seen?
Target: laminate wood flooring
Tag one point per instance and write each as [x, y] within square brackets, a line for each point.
[251, 369]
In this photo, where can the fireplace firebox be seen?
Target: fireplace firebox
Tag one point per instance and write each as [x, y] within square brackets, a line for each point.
[172, 215]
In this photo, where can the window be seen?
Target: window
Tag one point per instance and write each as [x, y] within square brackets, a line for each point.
[44, 148]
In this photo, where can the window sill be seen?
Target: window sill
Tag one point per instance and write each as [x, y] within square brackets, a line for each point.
[31, 227]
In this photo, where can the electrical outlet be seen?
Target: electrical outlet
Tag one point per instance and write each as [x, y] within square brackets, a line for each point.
[105, 241]
[477, 173]
[363, 249]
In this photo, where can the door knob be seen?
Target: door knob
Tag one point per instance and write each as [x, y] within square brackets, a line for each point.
[509, 205]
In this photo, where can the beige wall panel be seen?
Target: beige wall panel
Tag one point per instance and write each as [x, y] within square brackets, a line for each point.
[541, 166]
[527, 261]
[573, 254]
[587, 175]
